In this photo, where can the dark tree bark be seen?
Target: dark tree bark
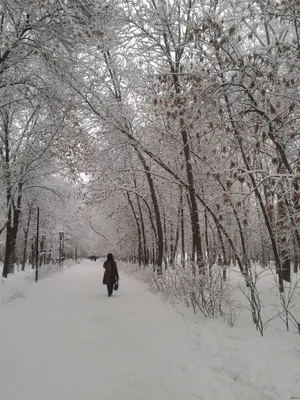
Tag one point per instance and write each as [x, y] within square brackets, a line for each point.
[160, 236]
[138, 229]
[11, 233]
[141, 218]
[182, 229]
[165, 243]
[175, 247]
[26, 232]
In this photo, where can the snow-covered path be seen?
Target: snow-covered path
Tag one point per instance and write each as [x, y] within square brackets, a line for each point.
[66, 340]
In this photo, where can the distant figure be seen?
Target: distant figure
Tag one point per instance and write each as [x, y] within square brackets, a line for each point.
[111, 274]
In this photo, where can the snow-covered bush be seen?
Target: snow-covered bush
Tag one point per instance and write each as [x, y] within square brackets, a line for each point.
[14, 293]
[207, 294]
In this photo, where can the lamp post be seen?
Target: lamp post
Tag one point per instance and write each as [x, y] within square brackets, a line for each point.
[61, 248]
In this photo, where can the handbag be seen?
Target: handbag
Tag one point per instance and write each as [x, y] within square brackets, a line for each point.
[116, 285]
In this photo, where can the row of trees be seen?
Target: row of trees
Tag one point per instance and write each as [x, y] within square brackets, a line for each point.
[196, 107]
[183, 114]
[39, 135]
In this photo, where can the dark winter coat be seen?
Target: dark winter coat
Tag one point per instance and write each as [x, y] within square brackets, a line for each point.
[111, 274]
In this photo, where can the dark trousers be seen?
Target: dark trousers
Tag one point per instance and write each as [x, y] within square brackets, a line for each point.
[110, 289]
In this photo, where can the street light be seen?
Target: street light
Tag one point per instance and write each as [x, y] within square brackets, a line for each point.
[61, 248]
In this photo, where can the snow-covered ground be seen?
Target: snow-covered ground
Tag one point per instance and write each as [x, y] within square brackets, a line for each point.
[64, 339]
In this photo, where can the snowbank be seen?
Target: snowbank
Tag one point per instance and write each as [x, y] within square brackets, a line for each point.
[176, 287]
[16, 285]
[269, 365]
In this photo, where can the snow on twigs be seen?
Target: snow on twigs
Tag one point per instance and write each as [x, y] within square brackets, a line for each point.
[209, 295]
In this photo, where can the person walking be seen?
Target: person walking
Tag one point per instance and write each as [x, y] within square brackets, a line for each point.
[111, 274]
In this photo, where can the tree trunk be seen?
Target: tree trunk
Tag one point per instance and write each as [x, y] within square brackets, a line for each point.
[26, 239]
[194, 215]
[11, 234]
[160, 236]
[9, 256]
[42, 251]
[141, 218]
[138, 230]
[197, 244]
[175, 247]
[165, 243]
[33, 253]
[50, 254]
[182, 231]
